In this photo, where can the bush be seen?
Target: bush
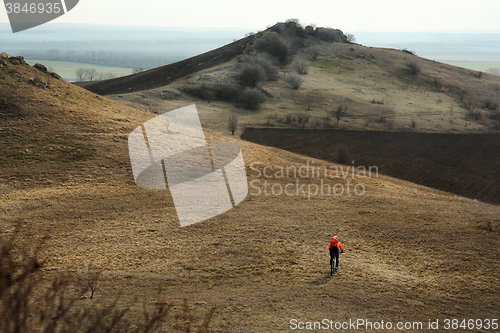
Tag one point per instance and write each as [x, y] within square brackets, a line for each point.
[342, 155]
[211, 91]
[232, 123]
[491, 104]
[477, 74]
[300, 117]
[266, 63]
[315, 51]
[250, 98]
[294, 80]
[278, 47]
[474, 115]
[251, 75]
[300, 66]
[294, 29]
[413, 67]
[408, 51]
[436, 83]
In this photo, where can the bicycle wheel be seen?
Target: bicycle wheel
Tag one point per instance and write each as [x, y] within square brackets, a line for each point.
[332, 265]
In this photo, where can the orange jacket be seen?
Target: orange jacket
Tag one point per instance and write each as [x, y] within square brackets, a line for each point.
[335, 243]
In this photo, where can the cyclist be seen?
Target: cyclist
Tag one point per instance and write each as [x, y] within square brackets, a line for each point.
[334, 247]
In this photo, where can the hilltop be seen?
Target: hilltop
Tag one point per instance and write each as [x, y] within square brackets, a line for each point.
[411, 253]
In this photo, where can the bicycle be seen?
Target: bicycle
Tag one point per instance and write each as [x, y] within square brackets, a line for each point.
[333, 262]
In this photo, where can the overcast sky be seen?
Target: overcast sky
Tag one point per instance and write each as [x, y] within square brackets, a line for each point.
[347, 15]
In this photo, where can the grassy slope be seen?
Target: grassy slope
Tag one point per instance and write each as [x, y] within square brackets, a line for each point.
[356, 75]
[412, 253]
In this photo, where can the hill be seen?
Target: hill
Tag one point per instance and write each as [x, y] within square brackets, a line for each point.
[162, 76]
[411, 253]
[393, 103]
[381, 89]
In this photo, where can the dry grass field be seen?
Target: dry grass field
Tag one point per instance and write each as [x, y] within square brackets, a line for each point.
[412, 253]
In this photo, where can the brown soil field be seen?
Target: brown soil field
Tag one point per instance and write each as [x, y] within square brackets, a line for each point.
[464, 164]
[412, 253]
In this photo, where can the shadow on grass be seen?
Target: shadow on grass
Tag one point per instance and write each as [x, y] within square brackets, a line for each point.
[322, 280]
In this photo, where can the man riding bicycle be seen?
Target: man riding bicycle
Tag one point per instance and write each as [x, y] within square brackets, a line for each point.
[334, 247]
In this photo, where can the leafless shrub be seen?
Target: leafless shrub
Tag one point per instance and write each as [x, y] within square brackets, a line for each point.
[232, 123]
[436, 83]
[211, 91]
[251, 75]
[137, 70]
[265, 61]
[278, 47]
[288, 118]
[294, 80]
[305, 120]
[91, 279]
[251, 98]
[300, 66]
[491, 104]
[477, 74]
[468, 103]
[474, 115]
[374, 101]
[413, 123]
[315, 51]
[342, 155]
[413, 67]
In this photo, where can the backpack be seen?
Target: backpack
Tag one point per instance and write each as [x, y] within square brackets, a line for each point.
[333, 243]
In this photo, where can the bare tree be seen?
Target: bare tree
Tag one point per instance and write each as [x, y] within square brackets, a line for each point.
[80, 74]
[339, 112]
[232, 123]
[91, 278]
[137, 70]
[108, 75]
[90, 74]
[351, 38]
